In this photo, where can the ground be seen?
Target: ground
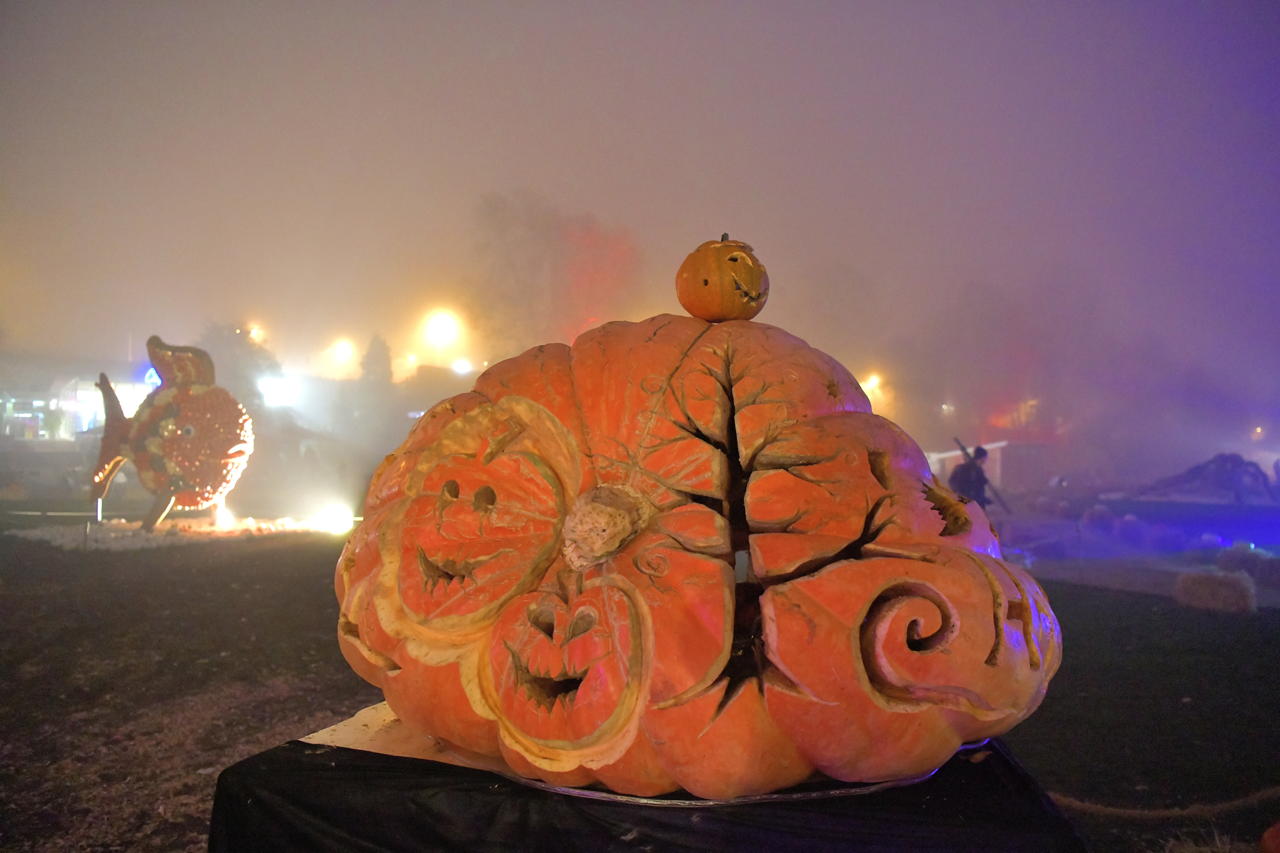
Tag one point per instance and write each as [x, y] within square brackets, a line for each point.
[133, 678]
[1156, 706]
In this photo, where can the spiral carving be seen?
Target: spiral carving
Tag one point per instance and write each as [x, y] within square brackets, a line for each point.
[883, 628]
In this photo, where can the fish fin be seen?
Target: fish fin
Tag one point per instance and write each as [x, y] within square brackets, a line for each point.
[179, 365]
[159, 509]
[115, 432]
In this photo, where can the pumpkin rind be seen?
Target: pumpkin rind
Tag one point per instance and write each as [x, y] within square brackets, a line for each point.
[689, 598]
[598, 631]
[721, 749]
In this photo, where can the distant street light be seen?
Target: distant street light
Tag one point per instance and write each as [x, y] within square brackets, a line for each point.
[462, 366]
[878, 392]
[343, 351]
[442, 329]
[278, 391]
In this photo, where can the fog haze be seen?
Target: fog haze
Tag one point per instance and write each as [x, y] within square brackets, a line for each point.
[982, 202]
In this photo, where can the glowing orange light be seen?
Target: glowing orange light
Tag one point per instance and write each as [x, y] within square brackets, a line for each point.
[223, 518]
[442, 329]
[342, 351]
[879, 393]
[336, 518]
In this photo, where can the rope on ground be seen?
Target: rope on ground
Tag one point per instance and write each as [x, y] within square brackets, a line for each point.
[1195, 810]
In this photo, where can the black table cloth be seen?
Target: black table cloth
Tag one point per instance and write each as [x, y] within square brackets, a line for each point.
[302, 796]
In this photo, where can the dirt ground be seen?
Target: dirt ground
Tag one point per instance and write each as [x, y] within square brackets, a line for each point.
[133, 678]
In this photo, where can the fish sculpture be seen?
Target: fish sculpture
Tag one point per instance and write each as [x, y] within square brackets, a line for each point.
[190, 440]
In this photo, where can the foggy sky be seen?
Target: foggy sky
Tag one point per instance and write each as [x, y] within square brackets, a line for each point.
[1090, 186]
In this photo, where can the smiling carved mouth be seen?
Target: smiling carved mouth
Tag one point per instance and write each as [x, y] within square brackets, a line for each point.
[546, 690]
[745, 294]
[447, 571]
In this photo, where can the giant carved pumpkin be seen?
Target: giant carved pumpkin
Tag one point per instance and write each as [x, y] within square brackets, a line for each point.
[685, 554]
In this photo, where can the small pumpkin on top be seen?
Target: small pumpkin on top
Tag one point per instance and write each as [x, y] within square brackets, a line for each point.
[722, 280]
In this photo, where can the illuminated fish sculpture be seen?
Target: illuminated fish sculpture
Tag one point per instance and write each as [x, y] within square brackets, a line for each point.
[189, 440]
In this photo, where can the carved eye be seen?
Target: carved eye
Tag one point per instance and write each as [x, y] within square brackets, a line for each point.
[187, 431]
[733, 259]
[450, 490]
[544, 619]
[484, 499]
[583, 621]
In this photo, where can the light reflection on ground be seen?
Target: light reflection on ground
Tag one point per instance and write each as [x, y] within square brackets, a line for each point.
[120, 535]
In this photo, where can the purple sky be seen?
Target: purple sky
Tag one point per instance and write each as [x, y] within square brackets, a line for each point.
[1105, 177]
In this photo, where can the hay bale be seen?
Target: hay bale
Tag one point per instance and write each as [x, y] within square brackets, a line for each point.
[1225, 592]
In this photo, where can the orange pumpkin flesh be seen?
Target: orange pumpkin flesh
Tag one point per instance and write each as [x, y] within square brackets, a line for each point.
[545, 573]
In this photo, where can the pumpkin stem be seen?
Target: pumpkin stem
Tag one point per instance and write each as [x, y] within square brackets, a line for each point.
[603, 520]
[724, 237]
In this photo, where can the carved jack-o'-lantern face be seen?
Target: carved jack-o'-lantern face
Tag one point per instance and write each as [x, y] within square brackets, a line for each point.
[722, 280]
[472, 520]
[481, 531]
[565, 670]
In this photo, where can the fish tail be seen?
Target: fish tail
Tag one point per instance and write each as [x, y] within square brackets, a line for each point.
[114, 435]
